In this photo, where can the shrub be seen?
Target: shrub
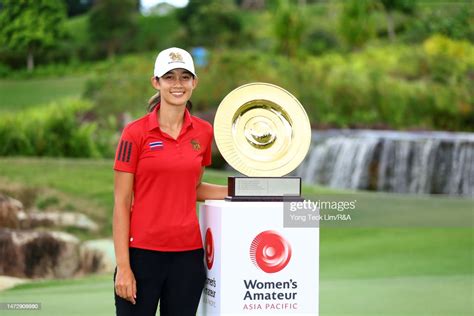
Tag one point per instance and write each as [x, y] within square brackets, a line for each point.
[54, 130]
[122, 86]
[448, 59]
[452, 19]
[395, 86]
[357, 24]
[319, 41]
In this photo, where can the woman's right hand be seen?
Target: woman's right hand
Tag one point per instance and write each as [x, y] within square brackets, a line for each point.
[125, 284]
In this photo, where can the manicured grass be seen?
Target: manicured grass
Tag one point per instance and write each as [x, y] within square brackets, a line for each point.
[396, 252]
[84, 178]
[87, 296]
[90, 179]
[413, 295]
[17, 95]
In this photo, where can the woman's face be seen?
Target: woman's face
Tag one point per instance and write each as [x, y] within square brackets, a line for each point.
[176, 86]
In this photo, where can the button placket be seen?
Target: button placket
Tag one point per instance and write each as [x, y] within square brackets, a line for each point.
[179, 149]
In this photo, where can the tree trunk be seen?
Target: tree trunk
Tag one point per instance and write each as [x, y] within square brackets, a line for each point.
[30, 61]
[390, 26]
[111, 49]
[253, 4]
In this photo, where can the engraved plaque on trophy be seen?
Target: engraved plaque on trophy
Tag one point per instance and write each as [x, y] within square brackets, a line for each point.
[263, 132]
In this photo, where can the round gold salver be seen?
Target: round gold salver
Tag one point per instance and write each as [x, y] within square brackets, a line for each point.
[262, 130]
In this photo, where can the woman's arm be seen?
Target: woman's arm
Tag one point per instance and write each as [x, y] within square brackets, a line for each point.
[207, 191]
[125, 284]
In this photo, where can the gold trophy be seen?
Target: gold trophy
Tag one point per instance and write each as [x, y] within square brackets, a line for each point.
[263, 132]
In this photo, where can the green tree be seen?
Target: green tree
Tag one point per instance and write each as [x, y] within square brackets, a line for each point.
[28, 26]
[78, 7]
[112, 23]
[356, 22]
[213, 23]
[452, 20]
[390, 6]
[289, 26]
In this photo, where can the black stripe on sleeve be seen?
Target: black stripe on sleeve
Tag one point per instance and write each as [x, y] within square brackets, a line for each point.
[124, 151]
[120, 151]
[129, 152]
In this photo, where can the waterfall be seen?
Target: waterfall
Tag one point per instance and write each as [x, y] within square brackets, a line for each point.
[393, 161]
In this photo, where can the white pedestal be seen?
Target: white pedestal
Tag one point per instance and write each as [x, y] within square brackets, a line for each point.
[255, 266]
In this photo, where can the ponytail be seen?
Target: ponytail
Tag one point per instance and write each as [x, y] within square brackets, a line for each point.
[153, 102]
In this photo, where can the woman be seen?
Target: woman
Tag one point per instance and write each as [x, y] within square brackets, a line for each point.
[158, 167]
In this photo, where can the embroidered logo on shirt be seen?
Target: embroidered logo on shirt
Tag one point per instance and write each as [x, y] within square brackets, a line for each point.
[196, 145]
[156, 145]
[125, 151]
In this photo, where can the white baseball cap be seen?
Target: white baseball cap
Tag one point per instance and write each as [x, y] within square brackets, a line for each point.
[173, 58]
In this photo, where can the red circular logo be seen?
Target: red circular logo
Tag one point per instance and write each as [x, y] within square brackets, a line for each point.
[209, 249]
[270, 252]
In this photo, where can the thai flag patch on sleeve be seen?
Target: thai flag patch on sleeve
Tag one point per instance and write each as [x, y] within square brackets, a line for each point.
[156, 145]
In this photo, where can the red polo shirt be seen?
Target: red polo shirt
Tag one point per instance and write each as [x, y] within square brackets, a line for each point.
[167, 170]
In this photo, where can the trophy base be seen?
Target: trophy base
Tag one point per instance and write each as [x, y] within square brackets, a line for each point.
[269, 189]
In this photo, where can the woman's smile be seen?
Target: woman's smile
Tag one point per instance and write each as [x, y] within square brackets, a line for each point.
[178, 94]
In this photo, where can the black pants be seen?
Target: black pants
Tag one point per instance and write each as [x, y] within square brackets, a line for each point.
[175, 279]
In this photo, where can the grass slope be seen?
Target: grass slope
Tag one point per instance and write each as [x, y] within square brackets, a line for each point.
[85, 179]
[17, 95]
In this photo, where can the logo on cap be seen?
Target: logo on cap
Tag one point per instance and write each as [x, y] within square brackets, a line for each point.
[270, 251]
[176, 58]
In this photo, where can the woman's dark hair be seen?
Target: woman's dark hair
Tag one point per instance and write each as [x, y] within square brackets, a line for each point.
[155, 99]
